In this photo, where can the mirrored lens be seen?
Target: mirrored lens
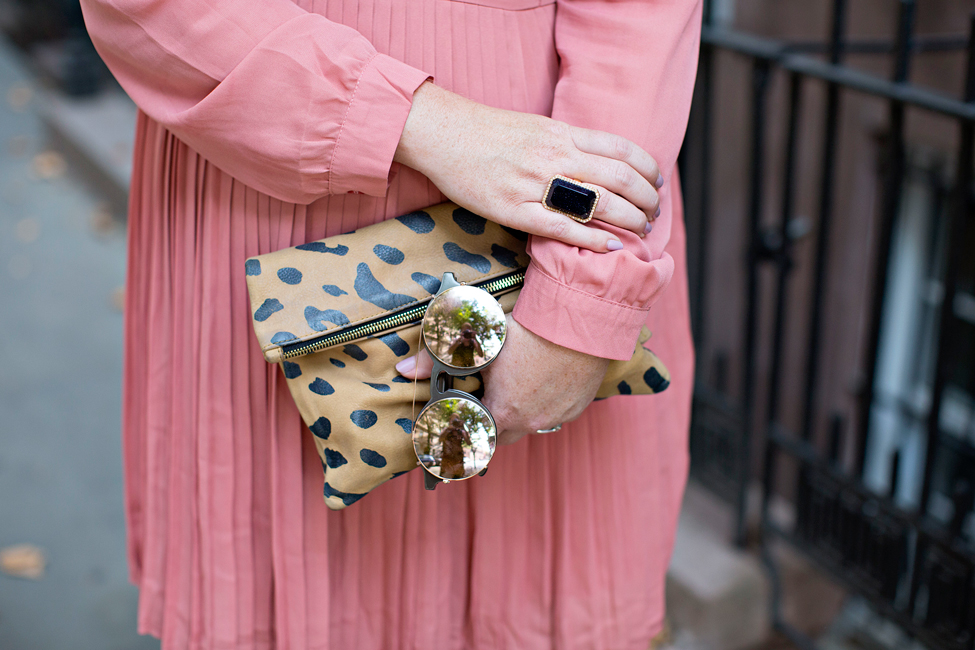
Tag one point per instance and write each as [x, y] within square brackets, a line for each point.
[454, 438]
[464, 327]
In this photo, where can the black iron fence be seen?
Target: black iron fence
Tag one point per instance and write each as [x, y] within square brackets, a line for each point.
[881, 488]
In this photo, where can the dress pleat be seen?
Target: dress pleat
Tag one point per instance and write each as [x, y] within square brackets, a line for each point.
[563, 545]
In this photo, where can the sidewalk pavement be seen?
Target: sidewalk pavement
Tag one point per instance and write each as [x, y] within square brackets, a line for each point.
[62, 265]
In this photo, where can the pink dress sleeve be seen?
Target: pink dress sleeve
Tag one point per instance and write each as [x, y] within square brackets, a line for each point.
[287, 101]
[626, 68]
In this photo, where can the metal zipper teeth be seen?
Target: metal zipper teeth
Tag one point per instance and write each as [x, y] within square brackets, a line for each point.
[411, 315]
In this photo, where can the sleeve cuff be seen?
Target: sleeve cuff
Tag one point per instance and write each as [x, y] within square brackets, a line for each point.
[577, 320]
[370, 133]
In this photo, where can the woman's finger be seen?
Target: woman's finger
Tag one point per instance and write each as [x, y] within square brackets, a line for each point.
[619, 212]
[617, 147]
[554, 225]
[616, 176]
[418, 366]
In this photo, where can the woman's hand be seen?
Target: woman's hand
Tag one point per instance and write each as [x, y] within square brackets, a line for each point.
[498, 163]
[532, 385]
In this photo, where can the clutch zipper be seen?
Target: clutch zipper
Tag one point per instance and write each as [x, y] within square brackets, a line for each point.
[407, 316]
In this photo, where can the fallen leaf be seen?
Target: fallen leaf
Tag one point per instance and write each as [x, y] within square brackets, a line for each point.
[49, 164]
[19, 96]
[118, 298]
[23, 561]
[102, 220]
[663, 639]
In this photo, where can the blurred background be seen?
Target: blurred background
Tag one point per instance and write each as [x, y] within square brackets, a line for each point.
[828, 179]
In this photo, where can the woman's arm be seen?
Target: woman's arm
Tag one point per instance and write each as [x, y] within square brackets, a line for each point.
[626, 67]
[287, 101]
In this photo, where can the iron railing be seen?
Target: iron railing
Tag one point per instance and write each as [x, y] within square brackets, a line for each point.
[916, 566]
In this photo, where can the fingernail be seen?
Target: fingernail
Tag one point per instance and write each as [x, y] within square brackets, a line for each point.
[660, 181]
[657, 213]
[649, 227]
[614, 245]
[406, 365]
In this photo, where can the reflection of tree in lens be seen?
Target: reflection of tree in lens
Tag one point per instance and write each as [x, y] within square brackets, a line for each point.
[462, 330]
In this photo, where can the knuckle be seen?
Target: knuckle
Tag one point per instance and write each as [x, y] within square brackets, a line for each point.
[622, 147]
[508, 198]
[560, 130]
[550, 152]
[559, 228]
[623, 175]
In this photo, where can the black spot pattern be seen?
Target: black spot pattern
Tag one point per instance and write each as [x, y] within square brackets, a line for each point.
[624, 388]
[655, 380]
[333, 458]
[406, 424]
[337, 363]
[505, 257]
[364, 418]
[289, 275]
[429, 283]
[419, 222]
[291, 370]
[333, 290]
[382, 388]
[320, 247]
[372, 458]
[370, 290]
[355, 352]
[395, 343]
[400, 380]
[388, 254]
[269, 306]
[517, 234]
[322, 428]
[348, 498]
[316, 318]
[321, 387]
[469, 222]
[457, 254]
[283, 337]
[252, 267]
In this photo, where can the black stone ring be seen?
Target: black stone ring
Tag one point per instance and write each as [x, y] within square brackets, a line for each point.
[571, 198]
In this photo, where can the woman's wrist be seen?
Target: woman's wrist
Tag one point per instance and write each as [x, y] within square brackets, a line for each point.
[432, 108]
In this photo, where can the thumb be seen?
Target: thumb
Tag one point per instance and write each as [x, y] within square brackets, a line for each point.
[416, 367]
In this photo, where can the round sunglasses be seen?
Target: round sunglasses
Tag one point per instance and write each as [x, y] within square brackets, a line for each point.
[464, 329]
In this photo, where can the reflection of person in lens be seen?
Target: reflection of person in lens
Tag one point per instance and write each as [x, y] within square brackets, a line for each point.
[462, 350]
[452, 453]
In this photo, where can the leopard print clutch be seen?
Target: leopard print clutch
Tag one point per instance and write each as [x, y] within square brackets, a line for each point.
[339, 313]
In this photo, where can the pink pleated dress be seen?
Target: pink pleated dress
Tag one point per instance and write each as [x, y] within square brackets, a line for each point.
[269, 123]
